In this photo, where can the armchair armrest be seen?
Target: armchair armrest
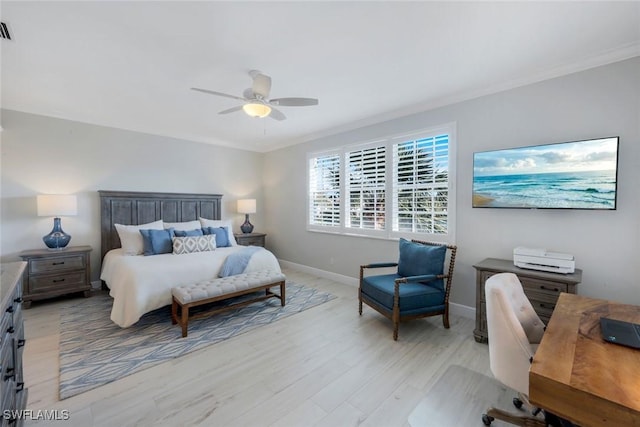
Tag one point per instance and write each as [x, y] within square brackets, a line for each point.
[380, 265]
[422, 278]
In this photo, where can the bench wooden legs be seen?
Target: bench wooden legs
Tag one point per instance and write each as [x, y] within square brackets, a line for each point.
[182, 318]
[184, 322]
[184, 314]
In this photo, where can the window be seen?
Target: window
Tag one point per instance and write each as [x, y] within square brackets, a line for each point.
[324, 190]
[366, 188]
[421, 185]
[399, 186]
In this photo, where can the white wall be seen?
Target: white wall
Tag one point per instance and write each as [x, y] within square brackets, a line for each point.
[604, 101]
[47, 155]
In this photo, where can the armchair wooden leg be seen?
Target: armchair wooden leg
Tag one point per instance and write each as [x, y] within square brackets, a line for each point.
[360, 290]
[445, 319]
[395, 317]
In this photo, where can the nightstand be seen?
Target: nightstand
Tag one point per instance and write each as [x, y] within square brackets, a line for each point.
[51, 273]
[250, 239]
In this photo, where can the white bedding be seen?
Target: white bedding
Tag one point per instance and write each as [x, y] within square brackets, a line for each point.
[139, 284]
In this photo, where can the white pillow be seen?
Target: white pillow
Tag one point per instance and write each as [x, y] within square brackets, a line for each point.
[220, 223]
[183, 226]
[131, 239]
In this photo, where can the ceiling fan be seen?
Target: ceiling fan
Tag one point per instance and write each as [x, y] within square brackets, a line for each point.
[256, 102]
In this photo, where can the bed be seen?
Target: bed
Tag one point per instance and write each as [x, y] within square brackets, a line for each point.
[139, 284]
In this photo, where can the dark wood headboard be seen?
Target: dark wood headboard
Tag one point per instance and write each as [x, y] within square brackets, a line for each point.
[133, 208]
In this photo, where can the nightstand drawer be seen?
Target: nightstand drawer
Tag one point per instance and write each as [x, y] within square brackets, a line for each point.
[253, 241]
[51, 265]
[74, 280]
[250, 239]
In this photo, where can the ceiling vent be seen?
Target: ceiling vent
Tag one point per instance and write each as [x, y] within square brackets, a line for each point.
[4, 31]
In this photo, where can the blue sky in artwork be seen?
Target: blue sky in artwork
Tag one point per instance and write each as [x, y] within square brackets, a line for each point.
[591, 155]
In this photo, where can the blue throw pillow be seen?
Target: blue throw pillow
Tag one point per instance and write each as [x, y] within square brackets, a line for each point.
[188, 233]
[157, 241]
[417, 259]
[221, 233]
[146, 242]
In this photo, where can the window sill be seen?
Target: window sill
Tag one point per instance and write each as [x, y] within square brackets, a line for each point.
[394, 237]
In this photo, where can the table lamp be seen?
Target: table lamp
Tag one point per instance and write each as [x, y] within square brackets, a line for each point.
[247, 206]
[57, 205]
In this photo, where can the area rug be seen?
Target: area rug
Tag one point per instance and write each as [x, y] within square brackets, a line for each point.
[94, 351]
[459, 398]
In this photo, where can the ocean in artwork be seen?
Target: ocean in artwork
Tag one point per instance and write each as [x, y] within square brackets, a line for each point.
[571, 190]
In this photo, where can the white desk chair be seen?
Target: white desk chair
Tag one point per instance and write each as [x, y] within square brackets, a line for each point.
[515, 330]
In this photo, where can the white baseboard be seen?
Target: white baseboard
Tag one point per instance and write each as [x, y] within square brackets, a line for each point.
[455, 309]
[462, 310]
[351, 281]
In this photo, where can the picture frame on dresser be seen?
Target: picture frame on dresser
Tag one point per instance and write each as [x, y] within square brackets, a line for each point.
[541, 288]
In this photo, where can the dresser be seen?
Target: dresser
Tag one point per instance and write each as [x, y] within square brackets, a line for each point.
[12, 390]
[51, 273]
[250, 239]
[542, 289]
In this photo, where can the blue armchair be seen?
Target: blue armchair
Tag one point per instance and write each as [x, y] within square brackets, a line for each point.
[419, 288]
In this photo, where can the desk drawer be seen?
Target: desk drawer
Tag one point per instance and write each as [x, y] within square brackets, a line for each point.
[75, 280]
[543, 286]
[53, 265]
[484, 275]
[543, 308]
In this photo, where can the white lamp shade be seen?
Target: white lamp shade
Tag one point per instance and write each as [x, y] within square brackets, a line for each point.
[57, 205]
[247, 206]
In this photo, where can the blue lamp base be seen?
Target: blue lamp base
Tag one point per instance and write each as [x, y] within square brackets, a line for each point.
[57, 239]
[247, 227]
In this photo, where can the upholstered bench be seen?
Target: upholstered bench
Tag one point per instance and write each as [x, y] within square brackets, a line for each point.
[188, 296]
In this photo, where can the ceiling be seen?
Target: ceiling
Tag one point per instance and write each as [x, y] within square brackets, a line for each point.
[130, 65]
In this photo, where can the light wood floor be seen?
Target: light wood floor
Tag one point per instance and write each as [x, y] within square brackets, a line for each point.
[326, 366]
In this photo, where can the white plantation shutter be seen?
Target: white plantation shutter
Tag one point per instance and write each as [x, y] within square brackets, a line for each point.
[398, 186]
[324, 190]
[365, 188]
[421, 185]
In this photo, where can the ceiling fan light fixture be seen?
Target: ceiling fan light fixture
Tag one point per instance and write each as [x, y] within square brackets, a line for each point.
[256, 109]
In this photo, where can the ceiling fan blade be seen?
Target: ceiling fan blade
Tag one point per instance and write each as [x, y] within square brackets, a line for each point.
[294, 102]
[211, 92]
[261, 84]
[231, 110]
[277, 114]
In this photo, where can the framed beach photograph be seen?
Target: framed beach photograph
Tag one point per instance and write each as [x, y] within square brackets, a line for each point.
[568, 175]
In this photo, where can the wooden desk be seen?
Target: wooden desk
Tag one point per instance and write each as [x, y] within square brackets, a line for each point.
[579, 376]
